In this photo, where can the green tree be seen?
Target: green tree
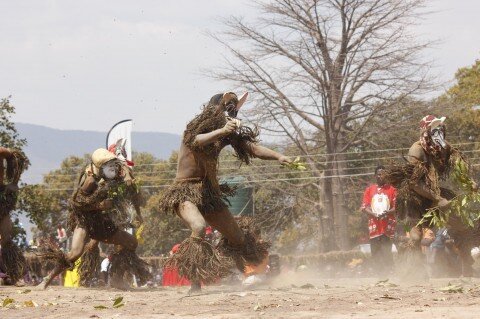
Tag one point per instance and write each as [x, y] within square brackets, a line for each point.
[467, 89]
[9, 136]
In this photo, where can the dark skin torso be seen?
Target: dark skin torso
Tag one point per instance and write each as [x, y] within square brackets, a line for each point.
[193, 164]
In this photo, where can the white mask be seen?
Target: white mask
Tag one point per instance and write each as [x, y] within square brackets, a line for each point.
[438, 137]
[109, 170]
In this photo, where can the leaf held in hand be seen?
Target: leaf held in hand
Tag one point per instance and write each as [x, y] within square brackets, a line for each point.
[297, 165]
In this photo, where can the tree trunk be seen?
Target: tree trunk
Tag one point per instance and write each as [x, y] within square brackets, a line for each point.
[327, 218]
[339, 203]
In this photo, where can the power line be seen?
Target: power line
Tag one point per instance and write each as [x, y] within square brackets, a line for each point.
[266, 180]
[299, 155]
[247, 181]
[273, 165]
[265, 173]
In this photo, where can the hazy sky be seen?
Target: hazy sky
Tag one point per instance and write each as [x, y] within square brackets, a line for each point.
[85, 64]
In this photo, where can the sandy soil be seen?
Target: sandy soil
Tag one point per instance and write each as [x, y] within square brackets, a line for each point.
[290, 296]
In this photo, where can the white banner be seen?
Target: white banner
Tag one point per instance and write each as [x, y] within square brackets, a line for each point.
[121, 130]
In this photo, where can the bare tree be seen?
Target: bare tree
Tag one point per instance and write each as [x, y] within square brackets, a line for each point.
[321, 71]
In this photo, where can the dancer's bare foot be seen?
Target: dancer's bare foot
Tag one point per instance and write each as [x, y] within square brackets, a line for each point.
[195, 288]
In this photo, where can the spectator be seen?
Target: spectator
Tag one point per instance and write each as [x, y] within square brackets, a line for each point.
[62, 237]
[104, 267]
[379, 204]
[444, 259]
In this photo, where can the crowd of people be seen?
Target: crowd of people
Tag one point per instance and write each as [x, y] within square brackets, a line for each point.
[107, 186]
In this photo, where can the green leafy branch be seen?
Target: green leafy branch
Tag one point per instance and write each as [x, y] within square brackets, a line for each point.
[464, 206]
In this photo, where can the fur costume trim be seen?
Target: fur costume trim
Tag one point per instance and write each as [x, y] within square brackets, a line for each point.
[212, 119]
[16, 164]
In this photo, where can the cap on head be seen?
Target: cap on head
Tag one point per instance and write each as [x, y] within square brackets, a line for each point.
[431, 122]
[102, 156]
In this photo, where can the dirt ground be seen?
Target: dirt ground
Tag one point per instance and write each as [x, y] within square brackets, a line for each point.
[289, 296]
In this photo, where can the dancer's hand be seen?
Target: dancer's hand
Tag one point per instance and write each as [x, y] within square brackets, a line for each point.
[284, 160]
[106, 204]
[443, 203]
[230, 126]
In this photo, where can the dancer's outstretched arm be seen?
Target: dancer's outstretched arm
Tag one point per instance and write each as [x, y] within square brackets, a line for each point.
[265, 153]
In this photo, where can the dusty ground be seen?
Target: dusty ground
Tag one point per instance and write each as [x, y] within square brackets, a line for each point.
[291, 296]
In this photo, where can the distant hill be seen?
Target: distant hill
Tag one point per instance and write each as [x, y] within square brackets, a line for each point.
[47, 147]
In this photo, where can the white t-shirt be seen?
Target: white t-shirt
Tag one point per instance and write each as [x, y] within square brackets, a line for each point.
[104, 265]
[380, 204]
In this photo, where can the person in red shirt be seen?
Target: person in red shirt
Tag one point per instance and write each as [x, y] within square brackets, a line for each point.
[379, 204]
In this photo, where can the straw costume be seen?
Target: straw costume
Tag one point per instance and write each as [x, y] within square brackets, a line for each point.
[198, 198]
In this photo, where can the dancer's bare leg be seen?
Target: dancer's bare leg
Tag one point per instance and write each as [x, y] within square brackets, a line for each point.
[224, 222]
[123, 241]
[78, 244]
[193, 218]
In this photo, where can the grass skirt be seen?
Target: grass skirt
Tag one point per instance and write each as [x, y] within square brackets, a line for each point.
[7, 202]
[198, 261]
[200, 192]
[53, 255]
[89, 268]
[13, 261]
[127, 263]
[253, 252]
